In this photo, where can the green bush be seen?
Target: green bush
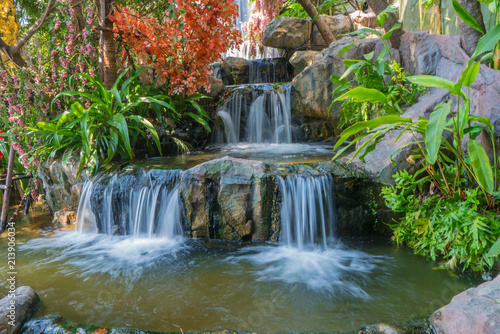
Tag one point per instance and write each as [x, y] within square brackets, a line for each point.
[112, 121]
[457, 229]
[454, 210]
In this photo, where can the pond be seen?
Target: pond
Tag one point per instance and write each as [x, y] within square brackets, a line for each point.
[167, 283]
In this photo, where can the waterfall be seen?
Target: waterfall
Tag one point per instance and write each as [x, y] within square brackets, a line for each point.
[258, 115]
[140, 204]
[244, 51]
[308, 210]
[268, 70]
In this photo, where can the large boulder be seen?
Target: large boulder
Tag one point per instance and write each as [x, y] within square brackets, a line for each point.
[235, 71]
[312, 88]
[301, 59]
[475, 310]
[229, 198]
[287, 33]
[16, 309]
[61, 186]
[338, 25]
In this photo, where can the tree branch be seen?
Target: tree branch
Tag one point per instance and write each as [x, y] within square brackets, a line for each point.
[33, 29]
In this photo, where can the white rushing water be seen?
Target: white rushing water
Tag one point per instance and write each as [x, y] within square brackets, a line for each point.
[307, 210]
[258, 116]
[146, 205]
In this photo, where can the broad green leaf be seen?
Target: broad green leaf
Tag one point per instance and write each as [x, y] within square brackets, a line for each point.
[198, 119]
[467, 17]
[388, 34]
[364, 31]
[150, 127]
[133, 77]
[115, 85]
[434, 131]
[481, 166]
[371, 124]
[483, 120]
[363, 94]
[346, 48]
[380, 66]
[463, 116]
[469, 74]
[352, 67]
[122, 127]
[487, 42]
[494, 252]
[85, 135]
[433, 81]
[369, 56]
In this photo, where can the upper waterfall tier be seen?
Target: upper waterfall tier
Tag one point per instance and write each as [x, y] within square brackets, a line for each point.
[240, 71]
[255, 114]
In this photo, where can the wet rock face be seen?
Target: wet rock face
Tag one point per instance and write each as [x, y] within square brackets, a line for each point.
[475, 310]
[15, 311]
[235, 71]
[62, 188]
[301, 59]
[229, 199]
[65, 217]
[239, 71]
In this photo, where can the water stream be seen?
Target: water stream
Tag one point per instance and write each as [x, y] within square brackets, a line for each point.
[257, 114]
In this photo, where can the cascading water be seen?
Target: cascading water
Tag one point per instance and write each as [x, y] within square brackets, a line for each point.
[308, 210]
[259, 115]
[268, 70]
[142, 204]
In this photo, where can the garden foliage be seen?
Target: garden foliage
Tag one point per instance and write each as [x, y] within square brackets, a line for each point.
[381, 77]
[458, 213]
[182, 44]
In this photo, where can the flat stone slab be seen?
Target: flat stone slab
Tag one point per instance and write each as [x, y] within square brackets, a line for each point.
[474, 311]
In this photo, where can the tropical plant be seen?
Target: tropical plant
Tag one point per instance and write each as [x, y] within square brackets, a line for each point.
[370, 77]
[107, 125]
[440, 142]
[453, 228]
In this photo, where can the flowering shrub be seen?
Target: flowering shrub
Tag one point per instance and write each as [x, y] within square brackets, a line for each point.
[182, 45]
[263, 12]
[29, 91]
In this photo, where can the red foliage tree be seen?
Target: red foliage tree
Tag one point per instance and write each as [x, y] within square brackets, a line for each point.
[183, 45]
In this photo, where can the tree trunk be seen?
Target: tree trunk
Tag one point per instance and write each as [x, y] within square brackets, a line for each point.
[79, 20]
[107, 51]
[468, 35]
[378, 6]
[313, 14]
